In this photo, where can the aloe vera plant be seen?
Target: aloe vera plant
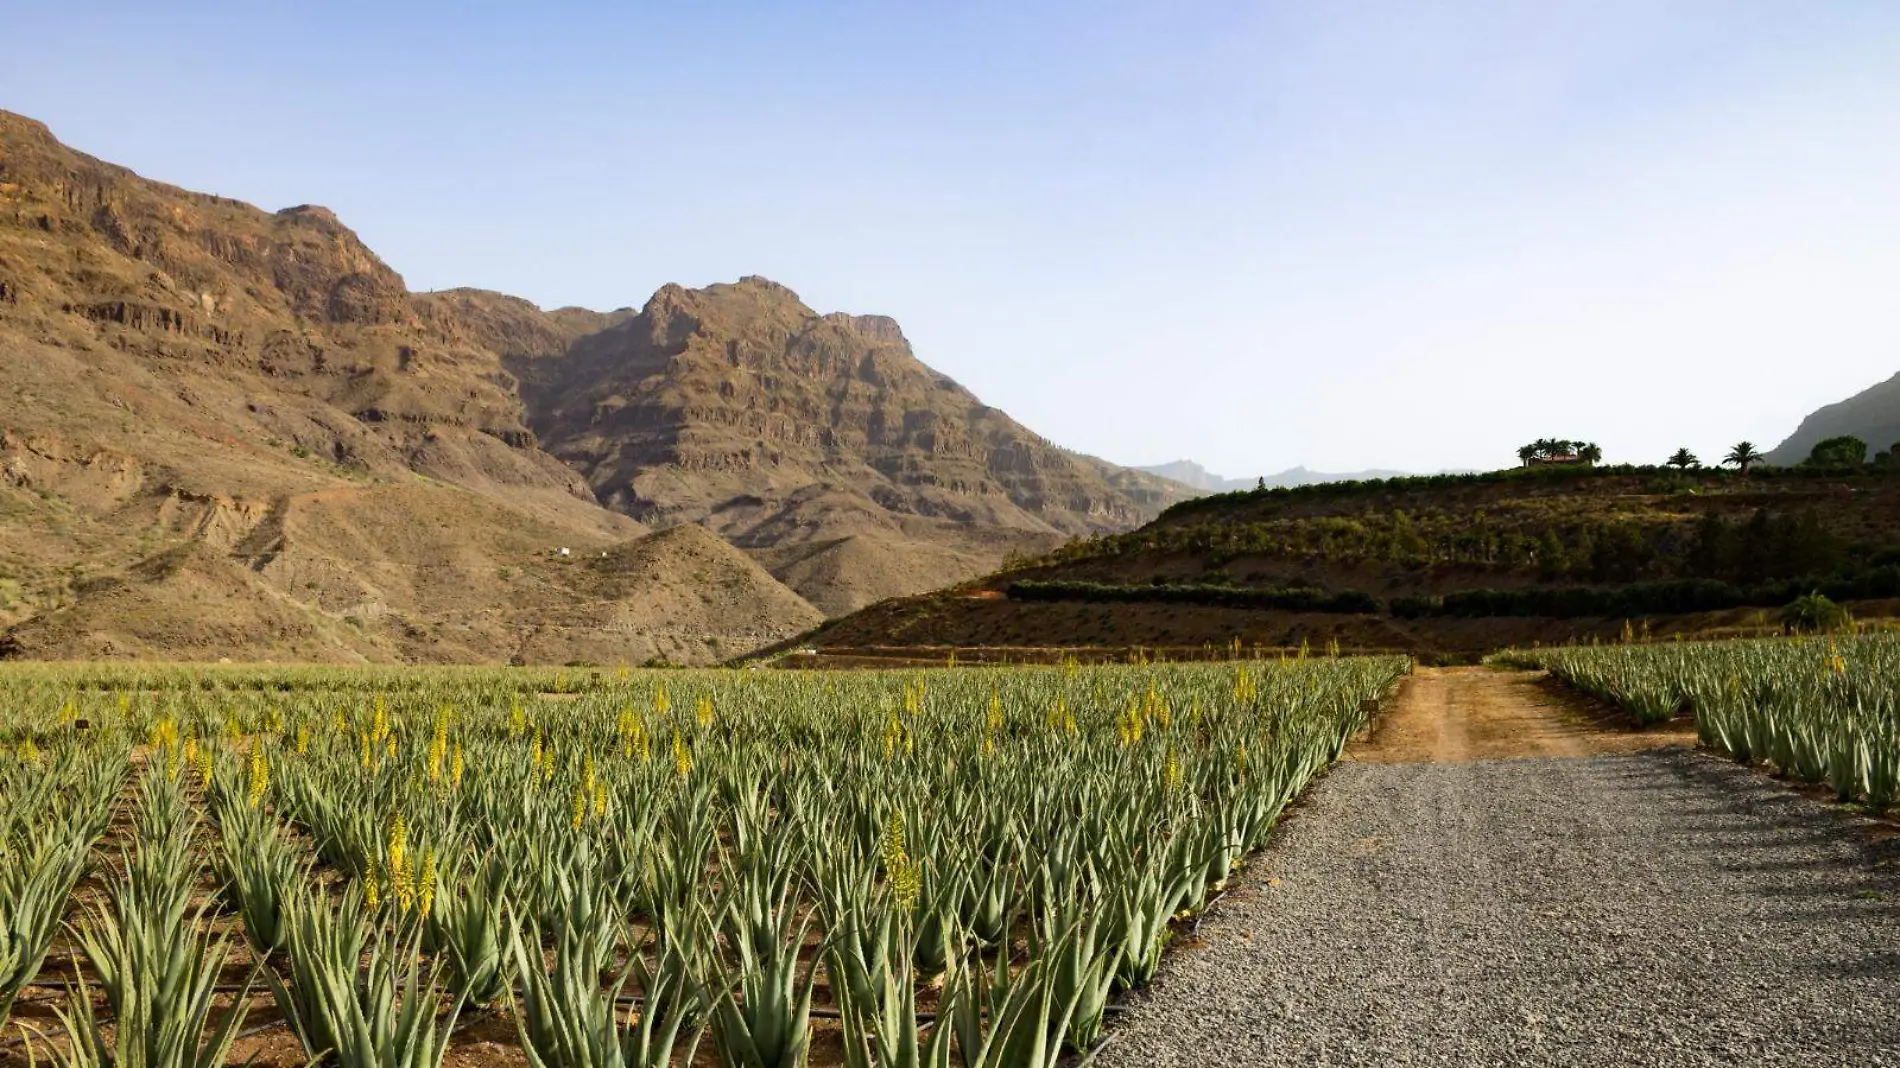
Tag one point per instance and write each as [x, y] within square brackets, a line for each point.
[878, 1010]
[762, 1009]
[355, 996]
[565, 1019]
[157, 964]
[467, 924]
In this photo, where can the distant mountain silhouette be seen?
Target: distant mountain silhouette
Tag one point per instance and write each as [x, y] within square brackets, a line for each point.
[1872, 415]
[1189, 473]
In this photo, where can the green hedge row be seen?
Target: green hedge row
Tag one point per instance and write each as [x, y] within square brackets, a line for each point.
[1669, 597]
[1290, 599]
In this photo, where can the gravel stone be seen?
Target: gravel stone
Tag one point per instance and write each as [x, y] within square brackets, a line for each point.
[1656, 908]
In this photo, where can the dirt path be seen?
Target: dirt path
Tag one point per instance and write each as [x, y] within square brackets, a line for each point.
[1496, 877]
[1451, 715]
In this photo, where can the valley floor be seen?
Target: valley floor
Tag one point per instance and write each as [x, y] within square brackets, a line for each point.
[1495, 879]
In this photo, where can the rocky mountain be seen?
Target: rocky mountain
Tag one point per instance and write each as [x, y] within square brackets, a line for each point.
[819, 443]
[235, 433]
[1189, 473]
[1872, 415]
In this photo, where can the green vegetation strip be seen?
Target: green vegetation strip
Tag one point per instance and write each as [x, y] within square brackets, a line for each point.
[1819, 709]
[1671, 596]
[1290, 599]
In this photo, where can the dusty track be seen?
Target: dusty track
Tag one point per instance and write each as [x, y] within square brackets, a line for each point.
[1451, 715]
[1499, 877]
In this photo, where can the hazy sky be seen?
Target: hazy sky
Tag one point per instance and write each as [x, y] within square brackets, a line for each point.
[1332, 233]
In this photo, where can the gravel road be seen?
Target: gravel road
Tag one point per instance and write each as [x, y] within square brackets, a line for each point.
[1657, 907]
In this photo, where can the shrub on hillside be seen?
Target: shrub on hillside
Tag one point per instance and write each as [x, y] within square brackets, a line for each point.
[1843, 451]
[1814, 614]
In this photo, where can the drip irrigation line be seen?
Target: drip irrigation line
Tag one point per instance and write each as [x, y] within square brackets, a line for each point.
[1194, 925]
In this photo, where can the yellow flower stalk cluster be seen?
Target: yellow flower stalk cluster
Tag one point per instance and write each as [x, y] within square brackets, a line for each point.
[901, 873]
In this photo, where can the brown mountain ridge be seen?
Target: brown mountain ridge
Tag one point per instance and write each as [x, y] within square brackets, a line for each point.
[230, 432]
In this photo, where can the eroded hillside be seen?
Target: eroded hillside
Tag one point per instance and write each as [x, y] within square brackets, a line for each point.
[233, 432]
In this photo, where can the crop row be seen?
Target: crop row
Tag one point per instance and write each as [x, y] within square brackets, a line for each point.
[1820, 709]
[957, 866]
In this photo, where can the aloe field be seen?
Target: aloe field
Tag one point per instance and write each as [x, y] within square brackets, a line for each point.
[1822, 710]
[748, 869]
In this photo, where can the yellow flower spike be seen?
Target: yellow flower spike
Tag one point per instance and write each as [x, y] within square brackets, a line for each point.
[900, 871]
[661, 704]
[1171, 772]
[29, 753]
[398, 844]
[895, 735]
[372, 891]
[682, 756]
[260, 776]
[456, 767]
[425, 886]
[600, 801]
[891, 847]
[303, 740]
[439, 745]
[164, 735]
[907, 881]
[703, 710]
[580, 808]
[639, 741]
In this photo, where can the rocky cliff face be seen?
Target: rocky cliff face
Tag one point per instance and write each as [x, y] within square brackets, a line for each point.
[160, 348]
[235, 433]
[353, 367]
[712, 405]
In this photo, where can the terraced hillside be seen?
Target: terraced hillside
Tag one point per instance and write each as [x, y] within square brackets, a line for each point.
[1453, 563]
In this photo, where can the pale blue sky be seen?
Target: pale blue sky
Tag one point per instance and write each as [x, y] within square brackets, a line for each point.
[1342, 234]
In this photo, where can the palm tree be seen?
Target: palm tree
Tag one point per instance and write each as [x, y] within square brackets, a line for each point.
[1684, 460]
[1744, 456]
[1588, 452]
[1525, 454]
